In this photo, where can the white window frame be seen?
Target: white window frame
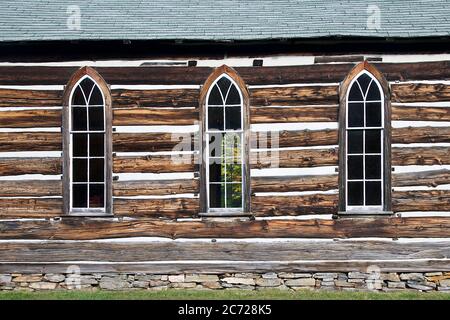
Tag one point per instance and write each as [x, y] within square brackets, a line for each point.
[207, 136]
[95, 210]
[364, 208]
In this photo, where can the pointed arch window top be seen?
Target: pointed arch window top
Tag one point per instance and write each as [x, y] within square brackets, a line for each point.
[87, 93]
[224, 105]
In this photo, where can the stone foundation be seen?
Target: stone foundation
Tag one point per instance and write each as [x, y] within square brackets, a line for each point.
[432, 281]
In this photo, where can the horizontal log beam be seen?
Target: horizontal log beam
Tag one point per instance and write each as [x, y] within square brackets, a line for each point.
[155, 98]
[152, 187]
[30, 98]
[420, 92]
[30, 188]
[415, 113]
[429, 200]
[294, 205]
[30, 208]
[293, 96]
[294, 158]
[30, 141]
[293, 114]
[35, 118]
[421, 135]
[154, 164]
[18, 166]
[431, 178]
[295, 183]
[171, 208]
[420, 156]
[319, 73]
[153, 116]
[83, 229]
[152, 142]
[294, 138]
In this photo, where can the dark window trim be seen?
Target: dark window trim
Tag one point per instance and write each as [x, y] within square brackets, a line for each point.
[246, 141]
[343, 88]
[66, 140]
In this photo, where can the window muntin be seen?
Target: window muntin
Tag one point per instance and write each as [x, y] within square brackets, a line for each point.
[364, 136]
[224, 137]
[87, 147]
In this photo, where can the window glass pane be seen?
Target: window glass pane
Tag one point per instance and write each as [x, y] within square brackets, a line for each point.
[96, 170]
[78, 98]
[364, 81]
[79, 119]
[233, 118]
[233, 96]
[373, 193]
[96, 97]
[373, 141]
[216, 171]
[96, 145]
[373, 167]
[373, 114]
[215, 118]
[232, 147]
[374, 92]
[96, 121]
[214, 97]
[215, 145]
[355, 93]
[87, 85]
[234, 195]
[217, 196]
[355, 193]
[79, 141]
[356, 114]
[355, 141]
[355, 167]
[224, 84]
[79, 195]
[79, 169]
[234, 172]
[96, 195]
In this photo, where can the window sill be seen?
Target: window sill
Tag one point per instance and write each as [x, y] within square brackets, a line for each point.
[88, 214]
[371, 214]
[223, 214]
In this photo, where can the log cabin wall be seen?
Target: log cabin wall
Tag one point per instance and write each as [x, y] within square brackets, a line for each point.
[154, 108]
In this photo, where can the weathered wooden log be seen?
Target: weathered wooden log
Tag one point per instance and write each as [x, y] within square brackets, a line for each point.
[154, 164]
[429, 200]
[30, 188]
[30, 141]
[152, 187]
[30, 208]
[420, 92]
[35, 118]
[294, 96]
[18, 166]
[116, 251]
[319, 73]
[294, 205]
[294, 158]
[420, 156]
[171, 208]
[85, 228]
[294, 138]
[430, 178]
[153, 116]
[153, 142]
[293, 114]
[123, 98]
[30, 98]
[416, 113]
[421, 135]
[294, 183]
